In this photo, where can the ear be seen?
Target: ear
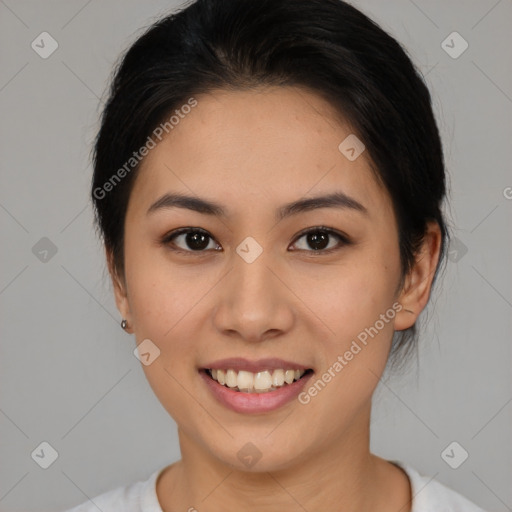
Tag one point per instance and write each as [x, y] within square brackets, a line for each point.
[416, 290]
[120, 291]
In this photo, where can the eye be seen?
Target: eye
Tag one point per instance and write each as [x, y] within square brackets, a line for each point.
[319, 237]
[195, 240]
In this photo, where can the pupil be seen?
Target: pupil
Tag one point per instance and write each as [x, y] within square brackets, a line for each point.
[320, 237]
[197, 241]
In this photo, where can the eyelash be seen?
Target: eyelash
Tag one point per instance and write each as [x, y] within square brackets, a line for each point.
[343, 240]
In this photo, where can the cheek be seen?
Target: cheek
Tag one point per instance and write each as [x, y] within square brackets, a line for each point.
[162, 307]
[351, 302]
[159, 294]
[353, 359]
[354, 295]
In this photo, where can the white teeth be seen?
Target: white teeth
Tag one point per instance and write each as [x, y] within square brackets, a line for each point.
[245, 381]
[289, 375]
[278, 378]
[263, 381]
[231, 379]
[260, 382]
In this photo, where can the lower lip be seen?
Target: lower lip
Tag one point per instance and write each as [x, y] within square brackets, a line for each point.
[239, 401]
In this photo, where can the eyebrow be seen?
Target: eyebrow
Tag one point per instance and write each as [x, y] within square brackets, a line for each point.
[207, 207]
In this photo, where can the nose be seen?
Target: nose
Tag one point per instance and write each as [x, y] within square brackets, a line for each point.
[254, 303]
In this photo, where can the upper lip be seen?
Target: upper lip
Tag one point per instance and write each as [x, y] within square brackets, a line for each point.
[239, 364]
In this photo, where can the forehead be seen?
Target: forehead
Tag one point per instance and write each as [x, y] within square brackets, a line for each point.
[274, 144]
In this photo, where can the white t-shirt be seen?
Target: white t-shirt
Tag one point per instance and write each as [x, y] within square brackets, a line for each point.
[428, 496]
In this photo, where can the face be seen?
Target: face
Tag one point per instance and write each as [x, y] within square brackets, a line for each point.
[251, 285]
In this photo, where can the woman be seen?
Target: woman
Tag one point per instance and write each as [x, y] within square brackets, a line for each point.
[268, 183]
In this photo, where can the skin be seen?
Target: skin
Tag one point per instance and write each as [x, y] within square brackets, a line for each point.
[254, 151]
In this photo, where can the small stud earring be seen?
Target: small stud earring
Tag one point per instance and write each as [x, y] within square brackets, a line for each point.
[124, 324]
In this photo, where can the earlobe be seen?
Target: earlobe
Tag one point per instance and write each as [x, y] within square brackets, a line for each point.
[120, 292]
[416, 290]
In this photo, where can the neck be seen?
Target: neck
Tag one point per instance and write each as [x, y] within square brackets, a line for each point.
[350, 477]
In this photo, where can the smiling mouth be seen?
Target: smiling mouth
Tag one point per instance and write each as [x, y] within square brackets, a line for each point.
[260, 382]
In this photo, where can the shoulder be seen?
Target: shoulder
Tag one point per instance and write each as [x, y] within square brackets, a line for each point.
[137, 496]
[429, 495]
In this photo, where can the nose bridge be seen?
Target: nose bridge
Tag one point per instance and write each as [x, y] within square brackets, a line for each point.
[252, 257]
[251, 266]
[252, 301]
[252, 285]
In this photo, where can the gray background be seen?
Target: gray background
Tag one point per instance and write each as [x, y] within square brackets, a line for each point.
[68, 375]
